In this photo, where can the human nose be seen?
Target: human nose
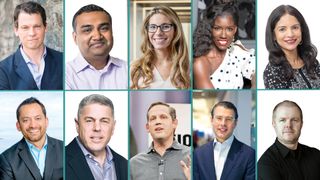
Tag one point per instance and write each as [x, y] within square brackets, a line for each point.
[223, 33]
[288, 124]
[32, 123]
[96, 126]
[96, 34]
[31, 32]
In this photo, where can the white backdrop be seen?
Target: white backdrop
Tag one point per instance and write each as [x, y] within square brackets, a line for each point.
[306, 99]
[264, 8]
[118, 11]
[119, 140]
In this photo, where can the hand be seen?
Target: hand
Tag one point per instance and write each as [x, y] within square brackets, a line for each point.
[186, 167]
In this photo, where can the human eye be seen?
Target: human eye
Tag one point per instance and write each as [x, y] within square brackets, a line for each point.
[163, 116]
[230, 29]
[86, 29]
[165, 27]
[105, 120]
[296, 27]
[152, 27]
[152, 118]
[88, 120]
[104, 28]
[216, 28]
[282, 29]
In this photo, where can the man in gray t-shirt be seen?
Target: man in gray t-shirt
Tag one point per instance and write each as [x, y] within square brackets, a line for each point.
[165, 158]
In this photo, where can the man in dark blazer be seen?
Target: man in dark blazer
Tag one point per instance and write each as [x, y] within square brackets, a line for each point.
[89, 152]
[33, 66]
[225, 158]
[36, 156]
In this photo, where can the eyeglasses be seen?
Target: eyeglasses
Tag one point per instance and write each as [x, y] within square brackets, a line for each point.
[152, 28]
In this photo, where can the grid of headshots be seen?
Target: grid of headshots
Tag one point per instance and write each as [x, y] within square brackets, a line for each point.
[159, 90]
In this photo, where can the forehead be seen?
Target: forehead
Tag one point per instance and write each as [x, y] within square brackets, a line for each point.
[96, 108]
[25, 18]
[92, 18]
[30, 108]
[287, 110]
[159, 18]
[220, 110]
[224, 19]
[159, 109]
[287, 20]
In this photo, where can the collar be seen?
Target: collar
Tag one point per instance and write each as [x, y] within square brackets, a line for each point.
[31, 146]
[82, 63]
[227, 142]
[86, 153]
[286, 152]
[175, 146]
[27, 59]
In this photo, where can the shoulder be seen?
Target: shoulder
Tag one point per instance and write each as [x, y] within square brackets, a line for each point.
[54, 52]
[204, 148]
[139, 158]
[201, 64]
[117, 156]
[269, 156]
[8, 61]
[245, 148]
[55, 141]
[12, 151]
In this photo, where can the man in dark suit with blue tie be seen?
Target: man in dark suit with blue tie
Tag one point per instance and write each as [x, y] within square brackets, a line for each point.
[36, 156]
[33, 66]
[225, 158]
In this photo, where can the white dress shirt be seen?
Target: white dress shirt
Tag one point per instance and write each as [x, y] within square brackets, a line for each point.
[220, 153]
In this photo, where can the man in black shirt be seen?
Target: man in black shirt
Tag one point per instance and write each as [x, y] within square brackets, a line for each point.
[287, 159]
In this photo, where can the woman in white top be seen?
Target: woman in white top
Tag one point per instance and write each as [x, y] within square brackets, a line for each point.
[221, 61]
[165, 61]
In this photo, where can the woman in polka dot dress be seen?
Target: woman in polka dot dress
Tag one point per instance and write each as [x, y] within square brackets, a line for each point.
[220, 60]
[292, 56]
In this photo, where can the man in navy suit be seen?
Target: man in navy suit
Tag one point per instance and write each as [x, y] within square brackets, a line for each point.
[225, 158]
[88, 156]
[33, 66]
[36, 156]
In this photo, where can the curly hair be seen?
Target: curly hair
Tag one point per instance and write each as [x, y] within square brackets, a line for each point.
[202, 37]
[306, 50]
[142, 68]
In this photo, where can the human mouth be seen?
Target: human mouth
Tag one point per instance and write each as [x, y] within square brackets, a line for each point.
[290, 41]
[222, 42]
[159, 40]
[96, 139]
[158, 129]
[97, 44]
[223, 129]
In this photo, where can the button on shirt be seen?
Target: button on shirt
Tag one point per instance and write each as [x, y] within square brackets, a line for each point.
[151, 165]
[221, 151]
[81, 75]
[39, 155]
[36, 71]
[282, 163]
[107, 172]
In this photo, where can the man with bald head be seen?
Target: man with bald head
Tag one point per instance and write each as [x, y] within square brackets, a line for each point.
[286, 158]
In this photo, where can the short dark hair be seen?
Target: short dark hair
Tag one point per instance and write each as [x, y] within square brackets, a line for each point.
[288, 104]
[95, 99]
[227, 105]
[87, 9]
[172, 111]
[31, 100]
[29, 7]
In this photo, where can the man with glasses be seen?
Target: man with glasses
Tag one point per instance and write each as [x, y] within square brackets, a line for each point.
[225, 158]
[94, 68]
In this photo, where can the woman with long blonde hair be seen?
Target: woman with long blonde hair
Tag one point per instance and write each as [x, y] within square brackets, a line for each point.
[165, 60]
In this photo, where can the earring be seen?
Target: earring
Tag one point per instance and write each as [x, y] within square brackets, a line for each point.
[301, 42]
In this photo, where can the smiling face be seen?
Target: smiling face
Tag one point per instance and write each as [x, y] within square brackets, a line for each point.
[160, 40]
[223, 123]
[160, 124]
[32, 123]
[93, 35]
[287, 33]
[30, 30]
[223, 31]
[287, 124]
[95, 127]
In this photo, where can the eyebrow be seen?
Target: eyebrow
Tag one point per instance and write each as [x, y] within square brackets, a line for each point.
[298, 24]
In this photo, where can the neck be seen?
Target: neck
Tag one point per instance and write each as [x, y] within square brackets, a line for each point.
[100, 156]
[293, 58]
[215, 52]
[163, 55]
[292, 146]
[39, 144]
[162, 146]
[98, 62]
[34, 54]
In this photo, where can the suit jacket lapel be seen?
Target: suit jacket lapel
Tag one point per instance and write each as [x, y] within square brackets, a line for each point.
[231, 159]
[27, 158]
[50, 158]
[79, 163]
[210, 162]
[23, 71]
